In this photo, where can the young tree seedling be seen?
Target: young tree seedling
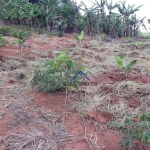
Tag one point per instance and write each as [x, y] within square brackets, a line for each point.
[101, 38]
[125, 67]
[80, 37]
[22, 38]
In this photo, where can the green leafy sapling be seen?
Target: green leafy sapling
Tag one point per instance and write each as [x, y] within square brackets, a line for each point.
[123, 65]
[80, 37]
[133, 129]
[22, 39]
[60, 73]
[101, 38]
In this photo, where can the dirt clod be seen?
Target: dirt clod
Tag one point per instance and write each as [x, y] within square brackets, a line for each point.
[101, 117]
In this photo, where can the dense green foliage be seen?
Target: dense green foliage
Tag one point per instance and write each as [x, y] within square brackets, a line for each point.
[131, 130]
[57, 74]
[64, 15]
[44, 14]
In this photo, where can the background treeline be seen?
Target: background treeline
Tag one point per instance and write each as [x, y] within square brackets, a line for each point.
[65, 15]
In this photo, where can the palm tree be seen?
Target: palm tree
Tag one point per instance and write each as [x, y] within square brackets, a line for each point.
[101, 7]
[69, 11]
[90, 18]
[110, 6]
[135, 24]
[126, 12]
[49, 10]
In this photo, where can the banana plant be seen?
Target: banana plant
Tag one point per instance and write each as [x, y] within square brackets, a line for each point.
[123, 65]
[110, 6]
[70, 11]
[80, 37]
[30, 13]
[101, 7]
[90, 17]
[101, 38]
[126, 12]
[49, 10]
[135, 24]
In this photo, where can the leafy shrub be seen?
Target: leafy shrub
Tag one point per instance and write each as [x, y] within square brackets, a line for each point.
[134, 130]
[57, 74]
[2, 41]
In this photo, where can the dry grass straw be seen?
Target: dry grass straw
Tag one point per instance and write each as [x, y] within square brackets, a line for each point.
[87, 98]
[35, 139]
[128, 90]
[16, 92]
[42, 133]
[95, 97]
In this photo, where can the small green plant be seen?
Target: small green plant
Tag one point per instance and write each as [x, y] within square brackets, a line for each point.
[80, 37]
[131, 130]
[21, 35]
[60, 73]
[101, 38]
[123, 65]
[2, 41]
[20, 42]
[22, 39]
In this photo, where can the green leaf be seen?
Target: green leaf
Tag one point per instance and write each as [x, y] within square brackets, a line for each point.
[121, 125]
[144, 117]
[145, 137]
[120, 62]
[69, 87]
[76, 38]
[63, 54]
[131, 142]
[111, 124]
[80, 37]
[130, 65]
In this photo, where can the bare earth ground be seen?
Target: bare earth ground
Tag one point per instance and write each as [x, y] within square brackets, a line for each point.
[32, 120]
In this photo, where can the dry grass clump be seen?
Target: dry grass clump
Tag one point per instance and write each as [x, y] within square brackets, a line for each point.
[87, 98]
[17, 93]
[125, 92]
[20, 116]
[100, 98]
[35, 139]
